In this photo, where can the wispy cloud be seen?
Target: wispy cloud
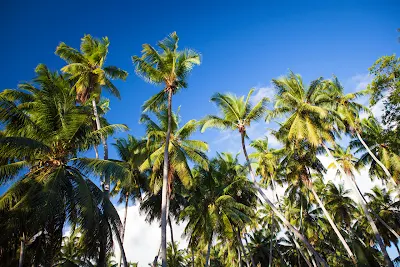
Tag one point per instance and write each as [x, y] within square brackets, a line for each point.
[357, 82]
[261, 92]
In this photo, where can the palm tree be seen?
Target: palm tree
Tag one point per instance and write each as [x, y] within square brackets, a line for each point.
[44, 132]
[349, 163]
[132, 155]
[311, 119]
[376, 144]
[175, 256]
[216, 206]
[89, 75]
[341, 205]
[169, 67]
[387, 208]
[349, 110]
[237, 115]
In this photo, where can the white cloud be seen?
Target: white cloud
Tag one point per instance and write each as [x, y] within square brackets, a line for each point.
[142, 240]
[357, 82]
[261, 92]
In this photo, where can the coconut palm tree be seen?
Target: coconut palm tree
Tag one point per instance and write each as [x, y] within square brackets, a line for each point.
[237, 115]
[44, 132]
[131, 186]
[215, 208]
[349, 110]
[375, 144]
[89, 75]
[387, 208]
[311, 119]
[169, 67]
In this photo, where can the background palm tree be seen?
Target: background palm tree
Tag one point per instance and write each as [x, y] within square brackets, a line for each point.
[237, 115]
[169, 67]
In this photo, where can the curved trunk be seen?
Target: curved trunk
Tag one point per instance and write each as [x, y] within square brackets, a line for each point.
[327, 215]
[165, 186]
[376, 159]
[122, 249]
[124, 224]
[365, 209]
[277, 212]
[209, 251]
[22, 252]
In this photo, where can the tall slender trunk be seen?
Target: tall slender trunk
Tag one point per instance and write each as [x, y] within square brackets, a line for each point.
[277, 212]
[377, 215]
[312, 259]
[172, 233]
[270, 246]
[121, 247]
[124, 224]
[301, 253]
[253, 264]
[105, 148]
[375, 158]
[365, 209]
[165, 186]
[192, 256]
[106, 187]
[22, 252]
[96, 151]
[242, 247]
[327, 215]
[209, 251]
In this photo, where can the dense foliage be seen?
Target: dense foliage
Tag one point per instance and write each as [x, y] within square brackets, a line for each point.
[276, 207]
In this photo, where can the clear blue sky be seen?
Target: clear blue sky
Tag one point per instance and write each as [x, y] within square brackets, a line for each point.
[243, 44]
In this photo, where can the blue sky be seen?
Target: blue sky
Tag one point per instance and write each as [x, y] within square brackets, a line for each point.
[244, 44]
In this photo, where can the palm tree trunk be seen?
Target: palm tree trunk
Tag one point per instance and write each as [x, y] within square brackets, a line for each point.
[165, 187]
[209, 251]
[270, 246]
[121, 247]
[172, 233]
[105, 147]
[365, 209]
[192, 256]
[277, 212]
[124, 224]
[327, 215]
[377, 216]
[375, 158]
[301, 253]
[253, 264]
[242, 247]
[22, 251]
[96, 151]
